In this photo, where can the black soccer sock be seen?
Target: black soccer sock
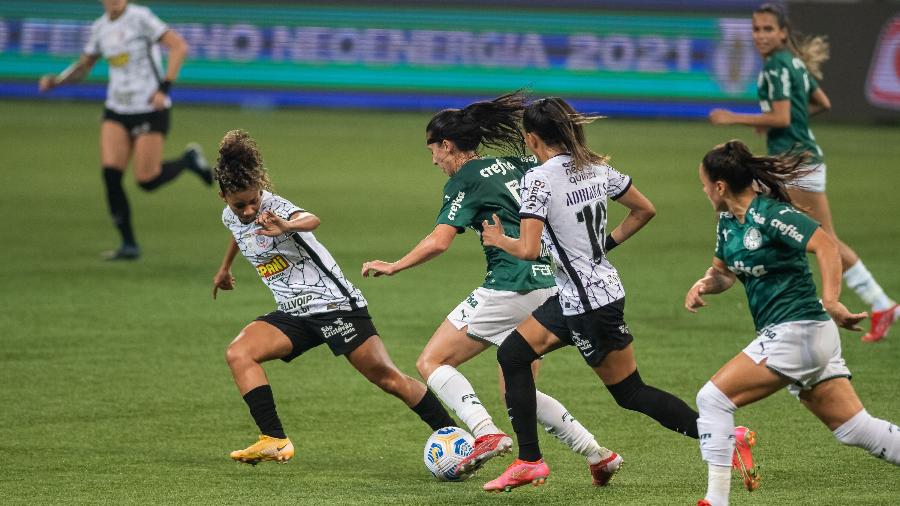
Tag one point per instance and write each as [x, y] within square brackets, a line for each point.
[432, 412]
[170, 170]
[515, 356]
[118, 204]
[670, 411]
[262, 409]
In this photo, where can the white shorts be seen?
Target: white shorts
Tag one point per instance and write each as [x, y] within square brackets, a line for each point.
[812, 182]
[492, 314]
[806, 352]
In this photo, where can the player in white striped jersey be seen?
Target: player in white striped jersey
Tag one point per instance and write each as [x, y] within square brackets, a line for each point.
[316, 303]
[136, 116]
[565, 200]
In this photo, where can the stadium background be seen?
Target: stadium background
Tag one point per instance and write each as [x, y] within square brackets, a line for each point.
[115, 389]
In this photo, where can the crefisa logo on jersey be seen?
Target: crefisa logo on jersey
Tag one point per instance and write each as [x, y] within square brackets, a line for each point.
[752, 239]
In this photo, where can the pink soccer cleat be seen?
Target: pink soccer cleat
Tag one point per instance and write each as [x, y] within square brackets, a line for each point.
[519, 473]
[603, 471]
[703, 502]
[486, 447]
[742, 459]
[881, 323]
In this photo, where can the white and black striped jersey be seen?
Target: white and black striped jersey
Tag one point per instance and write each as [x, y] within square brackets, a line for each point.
[572, 204]
[129, 44]
[300, 272]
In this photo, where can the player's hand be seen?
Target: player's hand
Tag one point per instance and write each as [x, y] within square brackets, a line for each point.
[46, 83]
[491, 233]
[272, 224]
[843, 317]
[693, 299]
[721, 117]
[377, 268]
[223, 280]
[158, 101]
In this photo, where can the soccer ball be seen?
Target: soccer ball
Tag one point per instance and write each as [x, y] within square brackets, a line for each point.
[445, 449]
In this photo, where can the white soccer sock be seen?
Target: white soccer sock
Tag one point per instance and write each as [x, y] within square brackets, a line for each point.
[861, 281]
[716, 429]
[880, 437]
[455, 390]
[718, 485]
[563, 426]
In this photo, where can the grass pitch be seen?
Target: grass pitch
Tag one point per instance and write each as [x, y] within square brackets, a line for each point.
[115, 389]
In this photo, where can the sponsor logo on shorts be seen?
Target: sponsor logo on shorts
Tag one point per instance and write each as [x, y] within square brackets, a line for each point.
[623, 329]
[583, 344]
[340, 328]
[272, 267]
[541, 270]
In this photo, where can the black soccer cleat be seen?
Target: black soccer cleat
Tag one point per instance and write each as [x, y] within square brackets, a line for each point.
[126, 252]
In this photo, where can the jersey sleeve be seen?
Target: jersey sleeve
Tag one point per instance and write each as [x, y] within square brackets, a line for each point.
[283, 207]
[151, 26]
[460, 205]
[789, 226]
[535, 196]
[92, 46]
[617, 184]
[720, 240]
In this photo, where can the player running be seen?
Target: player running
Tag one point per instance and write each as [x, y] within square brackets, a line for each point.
[316, 303]
[136, 114]
[565, 200]
[479, 186]
[762, 241]
[789, 94]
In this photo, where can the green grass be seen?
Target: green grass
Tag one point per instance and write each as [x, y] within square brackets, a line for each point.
[114, 384]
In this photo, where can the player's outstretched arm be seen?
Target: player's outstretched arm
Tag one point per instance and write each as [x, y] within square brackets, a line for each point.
[778, 117]
[272, 225]
[223, 280]
[716, 280]
[829, 258]
[640, 212]
[435, 243]
[178, 49]
[72, 74]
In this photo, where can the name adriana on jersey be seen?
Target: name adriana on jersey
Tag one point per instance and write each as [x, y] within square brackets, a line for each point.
[303, 276]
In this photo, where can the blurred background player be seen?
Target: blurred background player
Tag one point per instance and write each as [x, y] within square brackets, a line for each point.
[565, 200]
[789, 94]
[512, 289]
[316, 303]
[762, 241]
[136, 115]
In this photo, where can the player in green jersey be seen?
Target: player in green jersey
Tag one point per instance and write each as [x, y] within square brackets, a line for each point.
[789, 94]
[478, 187]
[762, 241]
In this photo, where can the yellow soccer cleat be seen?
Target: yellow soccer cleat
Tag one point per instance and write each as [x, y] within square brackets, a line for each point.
[267, 448]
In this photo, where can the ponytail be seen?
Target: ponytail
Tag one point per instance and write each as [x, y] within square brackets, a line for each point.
[493, 124]
[559, 125]
[734, 164]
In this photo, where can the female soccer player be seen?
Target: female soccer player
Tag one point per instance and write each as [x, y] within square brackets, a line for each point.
[565, 200]
[479, 186]
[136, 116]
[789, 94]
[762, 241]
[316, 304]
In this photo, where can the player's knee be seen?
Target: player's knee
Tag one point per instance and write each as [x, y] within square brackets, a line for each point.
[515, 352]
[626, 391]
[235, 354]
[710, 399]
[426, 365]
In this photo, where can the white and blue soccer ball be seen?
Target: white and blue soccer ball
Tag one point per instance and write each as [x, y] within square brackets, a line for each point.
[445, 449]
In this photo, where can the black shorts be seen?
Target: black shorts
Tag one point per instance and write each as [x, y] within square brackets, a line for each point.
[595, 333]
[143, 123]
[343, 331]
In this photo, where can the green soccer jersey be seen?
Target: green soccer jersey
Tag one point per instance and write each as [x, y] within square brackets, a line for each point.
[767, 252]
[784, 77]
[487, 186]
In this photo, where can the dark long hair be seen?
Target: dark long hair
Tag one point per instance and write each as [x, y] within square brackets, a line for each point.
[813, 50]
[240, 165]
[559, 125]
[491, 123]
[734, 164]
